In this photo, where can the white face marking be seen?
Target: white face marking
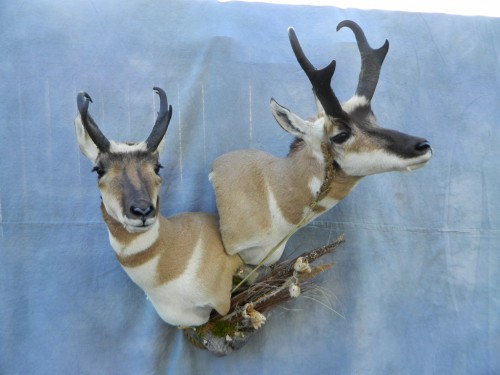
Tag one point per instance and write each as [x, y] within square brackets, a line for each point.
[378, 161]
[112, 206]
[355, 102]
[140, 243]
[119, 147]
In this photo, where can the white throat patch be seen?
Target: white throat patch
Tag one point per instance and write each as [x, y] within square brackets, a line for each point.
[140, 243]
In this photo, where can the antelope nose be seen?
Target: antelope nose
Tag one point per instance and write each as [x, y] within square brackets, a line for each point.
[423, 146]
[143, 211]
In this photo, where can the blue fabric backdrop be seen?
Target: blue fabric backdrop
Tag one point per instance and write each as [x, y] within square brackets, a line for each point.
[416, 287]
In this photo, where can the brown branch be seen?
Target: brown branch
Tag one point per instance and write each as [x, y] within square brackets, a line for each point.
[273, 288]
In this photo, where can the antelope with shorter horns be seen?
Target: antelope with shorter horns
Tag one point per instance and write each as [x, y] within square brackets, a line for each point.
[261, 199]
[179, 261]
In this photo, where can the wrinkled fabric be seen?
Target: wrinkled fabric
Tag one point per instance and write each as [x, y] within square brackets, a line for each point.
[414, 290]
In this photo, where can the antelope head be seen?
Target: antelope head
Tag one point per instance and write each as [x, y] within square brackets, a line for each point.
[127, 173]
[359, 146]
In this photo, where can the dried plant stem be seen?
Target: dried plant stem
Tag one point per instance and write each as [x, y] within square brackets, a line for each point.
[279, 279]
[273, 292]
[223, 334]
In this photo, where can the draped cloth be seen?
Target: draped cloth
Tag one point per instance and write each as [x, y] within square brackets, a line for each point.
[416, 287]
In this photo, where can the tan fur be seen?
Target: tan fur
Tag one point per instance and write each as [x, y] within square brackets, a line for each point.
[180, 261]
[289, 178]
[172, 251]
[248, 182]
[236, 209]
[342, 185]
[364, 143]
[129, 169]
[241, 180]
[331, 153]
[178, 236]
[133, 176]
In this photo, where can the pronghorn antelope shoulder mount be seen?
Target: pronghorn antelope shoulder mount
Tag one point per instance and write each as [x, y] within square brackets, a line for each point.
[261, 198]
[178, 261]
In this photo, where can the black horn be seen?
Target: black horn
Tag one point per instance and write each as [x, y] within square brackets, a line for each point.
[320, 79]
[371, 60]
[162, 121]
[82, 101]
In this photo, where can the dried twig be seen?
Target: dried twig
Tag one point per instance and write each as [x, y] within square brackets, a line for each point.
[223, 334]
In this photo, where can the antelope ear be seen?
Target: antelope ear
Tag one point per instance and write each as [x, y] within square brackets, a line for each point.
[87, 145]
[289, 121]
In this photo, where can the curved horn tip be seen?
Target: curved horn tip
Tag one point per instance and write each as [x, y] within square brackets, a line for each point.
[164, 108]
[82, 100]
[348, 23]
[85, 95]
[291, 34]
[361, 37]
[161, 94]
[159, 91]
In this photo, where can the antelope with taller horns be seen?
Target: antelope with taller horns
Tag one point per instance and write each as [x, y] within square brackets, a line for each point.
[178, 261]
[261, 198]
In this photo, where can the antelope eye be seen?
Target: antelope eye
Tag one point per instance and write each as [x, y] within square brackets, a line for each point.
[340, 138]
[157, 168]
[99, 170]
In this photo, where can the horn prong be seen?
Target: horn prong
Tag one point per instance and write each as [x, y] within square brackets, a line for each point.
[320, 78]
